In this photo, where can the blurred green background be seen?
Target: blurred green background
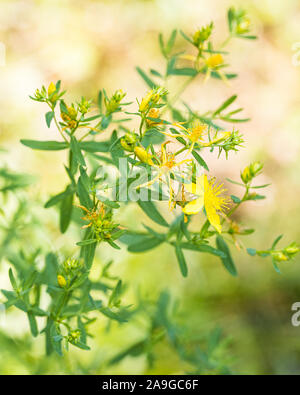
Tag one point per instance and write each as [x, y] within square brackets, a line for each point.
[91, 45]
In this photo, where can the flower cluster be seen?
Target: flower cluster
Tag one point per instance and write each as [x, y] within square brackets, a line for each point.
[166, 144]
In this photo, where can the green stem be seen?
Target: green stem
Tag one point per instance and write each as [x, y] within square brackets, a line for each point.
[63, 302]
[57, 125]
[180, 151]
[228, 39]
[84, 136]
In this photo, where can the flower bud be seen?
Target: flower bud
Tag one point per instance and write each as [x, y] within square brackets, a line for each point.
[113, 103]
[243, 27]
[70, 265]
[72, 112]
[202, 35]
[279, 256]
[143, 155]
[152, 97]
[128, 142]
[255, 168]
[74, 336]
[251, 171]
[51, 89]
[61, 281]
[292, 250]
[145, 102]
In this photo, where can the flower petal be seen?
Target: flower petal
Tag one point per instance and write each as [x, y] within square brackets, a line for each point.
[213, 217]
[194, 206]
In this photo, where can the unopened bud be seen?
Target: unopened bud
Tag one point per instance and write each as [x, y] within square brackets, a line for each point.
[61, 281]
[143, 155]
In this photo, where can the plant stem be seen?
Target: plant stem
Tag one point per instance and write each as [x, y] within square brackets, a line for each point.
[57, 125]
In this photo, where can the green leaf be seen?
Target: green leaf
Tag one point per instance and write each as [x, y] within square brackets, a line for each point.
[227, 260]
[156, 73]
[83, 194]
[114, 299]
[32, 324]
[216, 75]
[150, 209]
[56, 339]
[186, 71]
[148, 80]
[235, 199]
[235, 182]
[171, 41]
[276, 266]
[234, 120]
[247, 37]
[58, 198]
[186, 37]
[80, 345]
[66, 210]
[230, 18]
[200, 160]
[161, 44]
[181, 261]
[255, 197]
[276, 241]
[75, 148]
[113, 244]
[86, 242]
[129, 238]
[49, 116]
[225, 105]
[145, 244]
[106, 120]
[251, 251]
[12, 279]
[45, 145]
[94, 146]
[87, 252]
[202, 248]
[260, 186]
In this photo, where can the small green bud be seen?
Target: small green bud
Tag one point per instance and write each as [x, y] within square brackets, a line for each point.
[251, 171]
[74, 336]
[202, 35]
[128, 142]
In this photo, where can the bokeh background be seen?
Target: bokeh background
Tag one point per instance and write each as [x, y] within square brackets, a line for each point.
[91, 45]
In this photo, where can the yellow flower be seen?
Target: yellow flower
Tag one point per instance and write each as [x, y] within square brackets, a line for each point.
[61, 281]
[208, 197]
[196, 132]
[196, 135]
[215, 60]
[164, 169]
[213, 63]
[153, 113]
